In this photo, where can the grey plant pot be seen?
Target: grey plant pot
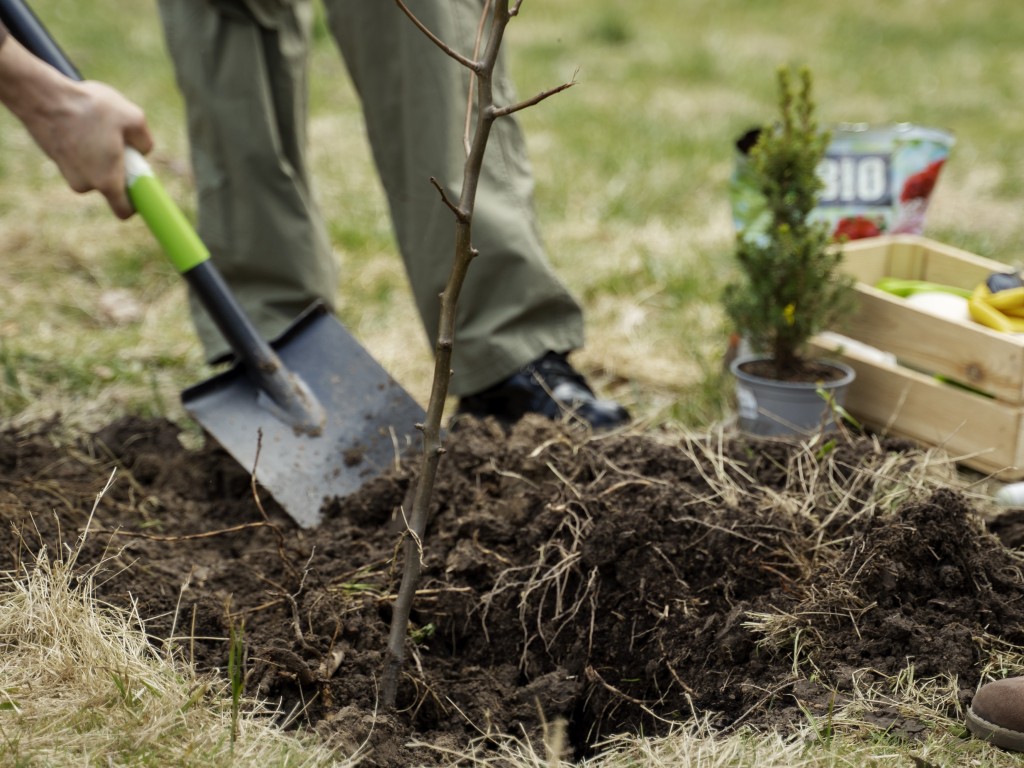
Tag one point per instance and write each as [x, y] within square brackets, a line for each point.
[771, 408]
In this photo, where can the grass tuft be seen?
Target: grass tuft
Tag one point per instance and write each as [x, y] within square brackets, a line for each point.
[83, 686]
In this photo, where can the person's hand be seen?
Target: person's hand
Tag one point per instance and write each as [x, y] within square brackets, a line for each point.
[83, 126]
[86, 135]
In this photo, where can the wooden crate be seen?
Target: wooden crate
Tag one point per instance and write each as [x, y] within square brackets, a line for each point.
[980, 424]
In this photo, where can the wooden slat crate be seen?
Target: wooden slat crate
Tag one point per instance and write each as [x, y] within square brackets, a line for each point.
[981, 424]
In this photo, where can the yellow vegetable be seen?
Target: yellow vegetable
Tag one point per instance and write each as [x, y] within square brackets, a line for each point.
[983, 312]
[1013, 311]
[1011, 298]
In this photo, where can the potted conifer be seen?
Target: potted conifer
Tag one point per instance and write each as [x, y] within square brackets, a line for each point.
[789, 286]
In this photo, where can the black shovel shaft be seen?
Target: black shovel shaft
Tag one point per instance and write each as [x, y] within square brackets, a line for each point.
[295, 404]
[30, 32]
[212, 291]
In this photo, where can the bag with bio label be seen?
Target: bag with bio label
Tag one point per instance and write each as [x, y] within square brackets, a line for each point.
[876, 180]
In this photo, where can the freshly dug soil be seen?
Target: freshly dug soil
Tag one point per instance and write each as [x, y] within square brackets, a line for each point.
[617, 582]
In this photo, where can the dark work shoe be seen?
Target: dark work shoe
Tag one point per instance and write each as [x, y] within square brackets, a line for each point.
[549, 386]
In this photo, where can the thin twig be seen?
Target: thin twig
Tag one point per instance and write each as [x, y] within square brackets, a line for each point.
[470, 64]
[189, 536]
[459, 213]
[537, 99]
[466, 142]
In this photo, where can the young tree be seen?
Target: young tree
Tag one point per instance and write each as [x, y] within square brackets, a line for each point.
[790, 287]
[494, 19]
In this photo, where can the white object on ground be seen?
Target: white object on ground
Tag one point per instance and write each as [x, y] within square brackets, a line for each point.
[1011, 495]
[844, 343]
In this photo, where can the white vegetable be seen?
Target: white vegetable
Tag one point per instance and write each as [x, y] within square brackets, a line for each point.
[941, 304]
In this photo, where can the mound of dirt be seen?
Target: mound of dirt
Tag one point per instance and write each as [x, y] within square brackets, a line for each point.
[619, 582]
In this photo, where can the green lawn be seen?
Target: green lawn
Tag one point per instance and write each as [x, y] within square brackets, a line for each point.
[631, 163]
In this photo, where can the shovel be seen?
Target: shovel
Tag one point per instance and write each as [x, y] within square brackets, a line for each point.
[312, 414]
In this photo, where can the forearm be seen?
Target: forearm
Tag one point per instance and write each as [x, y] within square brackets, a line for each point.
[34, 91]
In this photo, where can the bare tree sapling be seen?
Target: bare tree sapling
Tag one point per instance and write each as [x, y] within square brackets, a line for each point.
[493, 22]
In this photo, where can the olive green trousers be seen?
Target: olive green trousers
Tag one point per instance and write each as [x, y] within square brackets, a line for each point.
[242, 67]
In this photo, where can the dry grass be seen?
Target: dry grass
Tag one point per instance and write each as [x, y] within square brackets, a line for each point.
[83, 685]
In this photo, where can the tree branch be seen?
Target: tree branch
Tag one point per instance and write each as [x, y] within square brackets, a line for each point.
[469, 64]
[509, 109]
[460, 215]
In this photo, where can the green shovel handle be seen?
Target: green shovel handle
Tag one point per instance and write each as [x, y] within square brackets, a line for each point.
[289, 397]
[164, 218]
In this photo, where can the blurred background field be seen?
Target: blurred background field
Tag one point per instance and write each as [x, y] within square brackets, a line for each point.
[632, 166]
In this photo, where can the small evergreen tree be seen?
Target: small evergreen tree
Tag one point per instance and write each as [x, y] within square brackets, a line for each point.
[790, 288]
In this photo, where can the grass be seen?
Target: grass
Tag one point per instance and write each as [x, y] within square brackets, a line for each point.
[82, 685]
[631, 164]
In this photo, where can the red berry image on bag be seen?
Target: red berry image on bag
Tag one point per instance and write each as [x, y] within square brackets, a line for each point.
[921, 184]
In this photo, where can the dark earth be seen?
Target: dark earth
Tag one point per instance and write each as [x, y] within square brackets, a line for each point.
[613, 582]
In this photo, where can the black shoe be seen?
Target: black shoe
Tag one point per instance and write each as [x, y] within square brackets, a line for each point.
[549, 386]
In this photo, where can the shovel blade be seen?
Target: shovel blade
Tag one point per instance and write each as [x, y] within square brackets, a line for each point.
[370, 419]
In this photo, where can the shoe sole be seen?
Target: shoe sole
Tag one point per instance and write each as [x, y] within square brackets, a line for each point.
[995, 734]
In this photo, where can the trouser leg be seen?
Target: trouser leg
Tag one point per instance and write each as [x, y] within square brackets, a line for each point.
[512, 308]
[244, 85]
